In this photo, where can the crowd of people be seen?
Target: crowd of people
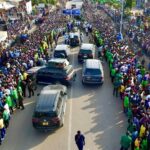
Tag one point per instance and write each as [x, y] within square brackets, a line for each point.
[31, 50]
[130, 79]
[138, 30]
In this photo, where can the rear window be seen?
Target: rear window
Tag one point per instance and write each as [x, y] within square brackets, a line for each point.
[85, 51]
[92, 72]
[58, 53]
[45, 114]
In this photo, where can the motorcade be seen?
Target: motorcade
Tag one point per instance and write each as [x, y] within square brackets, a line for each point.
[57, 70]
[62, 51]
[87, 51]
[92, 72]
[50, 108]
[74, 38]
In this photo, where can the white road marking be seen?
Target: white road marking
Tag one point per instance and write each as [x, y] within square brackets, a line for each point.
[29, 103]
[70, 113]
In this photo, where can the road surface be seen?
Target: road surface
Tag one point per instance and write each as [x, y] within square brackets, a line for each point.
[91, 109]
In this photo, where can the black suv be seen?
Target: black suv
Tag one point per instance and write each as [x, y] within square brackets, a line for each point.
[50, 108]
[58, 72]
[87, 51]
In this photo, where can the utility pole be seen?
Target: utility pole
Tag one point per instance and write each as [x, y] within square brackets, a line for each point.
[121, 21]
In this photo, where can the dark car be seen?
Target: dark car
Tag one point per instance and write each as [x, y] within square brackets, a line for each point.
[56, 73]
[74, 39]
[87, 51]
[92, 72]
[50, 108]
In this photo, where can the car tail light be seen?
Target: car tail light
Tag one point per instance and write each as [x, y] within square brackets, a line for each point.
[35, 120]
[90, 55]
[101, 78]
[55, 120]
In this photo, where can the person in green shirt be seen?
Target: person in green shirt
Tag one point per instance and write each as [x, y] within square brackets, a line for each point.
[6, 117]
[130, 127]
[15, 97]
[144, 83]
[112, 73]
[143, 71]
[144, 144]
[126, 104]
[10, 103]
[116, 85]
[125, 142]
[129, 113]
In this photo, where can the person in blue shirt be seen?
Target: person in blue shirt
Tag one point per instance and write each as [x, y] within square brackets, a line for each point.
[134, 135]
[80, 140]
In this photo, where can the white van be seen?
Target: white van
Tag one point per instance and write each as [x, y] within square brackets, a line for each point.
[93, 72]
[62, 51]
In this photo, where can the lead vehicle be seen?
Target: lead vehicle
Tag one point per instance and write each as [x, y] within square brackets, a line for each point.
[50, 108]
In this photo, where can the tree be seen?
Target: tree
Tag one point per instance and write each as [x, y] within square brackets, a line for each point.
[130, 3]
[36, 2]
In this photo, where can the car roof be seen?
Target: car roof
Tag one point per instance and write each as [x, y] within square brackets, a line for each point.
[87, 46]
[92, 63]
[58, 87]
[58, 60]
[34, 69]
[61, 47]
[47, 101]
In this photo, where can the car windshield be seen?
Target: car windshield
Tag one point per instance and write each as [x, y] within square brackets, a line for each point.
[85, 51]
[92, 72]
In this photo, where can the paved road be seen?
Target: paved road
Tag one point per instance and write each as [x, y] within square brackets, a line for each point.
[93, 110]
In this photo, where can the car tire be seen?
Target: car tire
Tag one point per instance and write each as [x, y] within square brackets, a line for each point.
[62, 122]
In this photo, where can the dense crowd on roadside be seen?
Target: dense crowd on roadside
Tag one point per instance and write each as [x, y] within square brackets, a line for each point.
[131, 82]
[31, 50]
[138, 31]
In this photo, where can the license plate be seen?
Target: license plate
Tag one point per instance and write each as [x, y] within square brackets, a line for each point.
[88, 78]
[45, 123]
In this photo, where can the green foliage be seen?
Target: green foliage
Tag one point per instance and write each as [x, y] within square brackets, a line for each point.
[36, 2]
[130, 4]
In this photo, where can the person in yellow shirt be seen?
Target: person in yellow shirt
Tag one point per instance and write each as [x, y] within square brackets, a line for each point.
[121, 90]
[142, 131]
[137, 144]
[2, 129]
[25, 76]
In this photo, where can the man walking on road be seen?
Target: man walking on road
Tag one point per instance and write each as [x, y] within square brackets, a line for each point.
[80, 140]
